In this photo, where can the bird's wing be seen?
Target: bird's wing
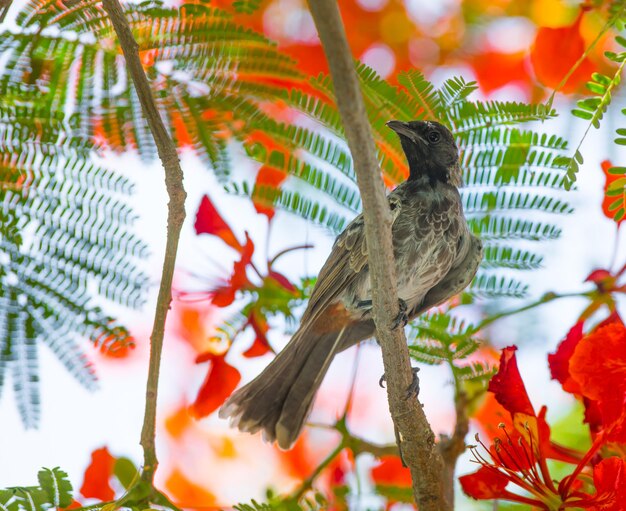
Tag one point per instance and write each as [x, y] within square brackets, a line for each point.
[346, 260]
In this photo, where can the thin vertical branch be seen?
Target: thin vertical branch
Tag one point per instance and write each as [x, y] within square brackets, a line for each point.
[175, 218]
[5, 5]
[416, 439]
[451, 448]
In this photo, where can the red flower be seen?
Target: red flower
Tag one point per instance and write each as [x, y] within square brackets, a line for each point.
[569, 45]
[609, 478]
[268, 179]
[508, 387]
[225, 295]
[260, 346]
[390, 472]
[219, 383]
[593, 367]
[209, 221]
[559, 361]
[519, 455]
[598, 365]
[494, 69]
[96, 484]
[489, 483]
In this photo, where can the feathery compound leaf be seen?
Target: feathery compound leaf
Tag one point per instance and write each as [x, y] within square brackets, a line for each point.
[441, 338]
[592, 109]
[57, 486]
[208, 72]
[8, 502]
[31, 499]
[65, 231]
[508, 171]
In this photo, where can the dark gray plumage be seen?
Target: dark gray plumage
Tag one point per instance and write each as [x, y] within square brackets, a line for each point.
[436, 258]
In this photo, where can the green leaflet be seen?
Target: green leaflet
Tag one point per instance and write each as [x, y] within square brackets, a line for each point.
[56, 485]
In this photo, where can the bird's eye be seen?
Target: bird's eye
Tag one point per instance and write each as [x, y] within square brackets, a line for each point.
[434, 137]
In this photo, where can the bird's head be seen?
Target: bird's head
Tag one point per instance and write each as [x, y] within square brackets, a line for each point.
[430, 150]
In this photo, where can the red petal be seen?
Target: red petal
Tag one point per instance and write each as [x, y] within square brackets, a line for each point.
[267, 178]
[209, 221]
[390, 472]
[300, 460]
[608, 180]
[598, 365]
[219, 383]
[97, 476]
[508, 387]
[569, 45]
[494, 69]
[486, 483]
[282, 280]
[559, 361]
[598, 276]
[609, 477]
[225, 295]
[180, 489]
[260, 346]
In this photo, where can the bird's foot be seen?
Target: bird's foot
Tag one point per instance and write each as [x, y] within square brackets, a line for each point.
[402, 318]
[365, 306]
[413, 389]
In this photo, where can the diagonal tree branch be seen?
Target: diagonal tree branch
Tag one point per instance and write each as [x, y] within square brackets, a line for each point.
[416, 439]
[175, 218]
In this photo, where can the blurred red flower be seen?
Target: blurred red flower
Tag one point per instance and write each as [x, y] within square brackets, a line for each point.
[96, 482]
[220, 381]
[554, 53]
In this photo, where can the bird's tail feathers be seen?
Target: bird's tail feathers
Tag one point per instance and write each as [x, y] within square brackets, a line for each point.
[279, 400]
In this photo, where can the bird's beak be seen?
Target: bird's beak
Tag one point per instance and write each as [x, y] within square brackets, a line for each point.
[402, 128]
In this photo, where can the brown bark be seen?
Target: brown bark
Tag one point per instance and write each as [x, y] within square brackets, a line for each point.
[416, 439]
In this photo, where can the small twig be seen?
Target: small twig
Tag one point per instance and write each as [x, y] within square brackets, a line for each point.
[175, 218]
[546, 298]
[417, 439]
[5, 5]
[307, 484]
[360, 445]
[451, 448]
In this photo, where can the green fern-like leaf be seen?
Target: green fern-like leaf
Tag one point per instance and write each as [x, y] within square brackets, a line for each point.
[508, 171]
[56, 485]
[209, 73]
[616, 191]
[592, 109]
[67, 233]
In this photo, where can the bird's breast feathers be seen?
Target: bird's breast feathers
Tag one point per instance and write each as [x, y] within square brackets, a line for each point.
[428, 234]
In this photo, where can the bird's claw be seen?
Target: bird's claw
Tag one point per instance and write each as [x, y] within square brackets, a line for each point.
[413, 389]
[402, 318]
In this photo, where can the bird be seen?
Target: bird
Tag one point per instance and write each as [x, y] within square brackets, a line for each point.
[436, 257]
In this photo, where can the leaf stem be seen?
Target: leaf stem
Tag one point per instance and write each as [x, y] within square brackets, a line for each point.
[580, 60]
[546, 298]
[308, 482]
[175, 218]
